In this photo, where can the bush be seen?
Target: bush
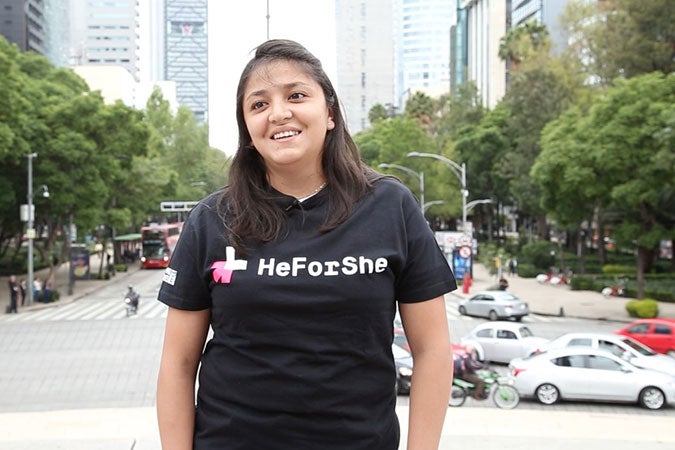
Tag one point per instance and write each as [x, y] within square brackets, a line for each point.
[583, 283]
[643, 309]
[120, 267]
[538, 254]
[617, 269]
[527, 270]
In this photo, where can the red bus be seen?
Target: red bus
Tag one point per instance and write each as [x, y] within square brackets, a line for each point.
[158, 243]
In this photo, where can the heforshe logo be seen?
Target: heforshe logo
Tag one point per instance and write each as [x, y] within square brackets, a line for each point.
[222, 270]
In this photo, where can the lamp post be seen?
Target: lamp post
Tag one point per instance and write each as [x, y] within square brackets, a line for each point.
[30, 230]
[428, 205]
[460, 173]
[419, 176]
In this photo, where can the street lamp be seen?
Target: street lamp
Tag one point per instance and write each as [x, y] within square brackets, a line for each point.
[30, 230]
[428, 205]
[460, 173]
[420, 176]
[473, 203]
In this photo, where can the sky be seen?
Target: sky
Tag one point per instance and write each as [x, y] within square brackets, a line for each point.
[236, 28]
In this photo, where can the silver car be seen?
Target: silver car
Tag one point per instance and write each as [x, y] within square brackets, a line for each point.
[585, 373]
[623, 346]
[502, 341]
[494, 305]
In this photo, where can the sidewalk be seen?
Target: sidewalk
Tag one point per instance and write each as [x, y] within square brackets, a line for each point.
[60, 283]
[550, 300]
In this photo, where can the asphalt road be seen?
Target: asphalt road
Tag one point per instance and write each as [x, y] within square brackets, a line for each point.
[82, 376]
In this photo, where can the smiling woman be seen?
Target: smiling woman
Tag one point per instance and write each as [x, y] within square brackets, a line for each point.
[298, 266]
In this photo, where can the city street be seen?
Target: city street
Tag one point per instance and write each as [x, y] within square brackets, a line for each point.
[82, 376]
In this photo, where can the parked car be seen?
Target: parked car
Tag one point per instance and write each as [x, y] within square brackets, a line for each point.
[657, 334]
[591, 374]
[502, 341]
[494, 305]
[404, 369]
[622, 346]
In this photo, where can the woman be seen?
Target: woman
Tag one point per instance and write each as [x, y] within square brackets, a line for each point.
[297, 267]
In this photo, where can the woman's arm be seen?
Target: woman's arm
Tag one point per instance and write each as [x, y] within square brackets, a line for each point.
[184, 339]
[426, 327]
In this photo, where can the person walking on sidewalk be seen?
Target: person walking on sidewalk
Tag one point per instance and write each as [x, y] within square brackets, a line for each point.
[13, 294]
[298, 266]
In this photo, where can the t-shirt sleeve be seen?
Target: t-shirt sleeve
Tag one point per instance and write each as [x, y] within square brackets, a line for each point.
[426, 273]
[185, 283]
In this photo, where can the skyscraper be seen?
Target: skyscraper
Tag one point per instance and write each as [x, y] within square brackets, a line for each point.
[423, 47]
[186, 53]
[23, 24]
[104, 33]
[365, 58]
[486, 24]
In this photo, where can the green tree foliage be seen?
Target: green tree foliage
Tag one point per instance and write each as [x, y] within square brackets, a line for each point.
[618, 158]
[621, 38]
[107, 166]
[377, 112]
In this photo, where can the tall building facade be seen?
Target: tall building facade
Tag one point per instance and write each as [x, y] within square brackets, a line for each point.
[486, 23]
[365, 58]
[186, 53]
[424, 30]
[459, 53]
[546, 12]
[23, 24]
[104, 33]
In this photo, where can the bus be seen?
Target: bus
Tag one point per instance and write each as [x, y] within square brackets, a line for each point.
[158, 243]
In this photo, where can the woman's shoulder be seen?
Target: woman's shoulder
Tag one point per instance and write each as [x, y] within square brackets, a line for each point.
[390, 187]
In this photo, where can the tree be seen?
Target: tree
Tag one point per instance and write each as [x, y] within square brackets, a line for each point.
[632, 126]
[523, 43]
[377, 112]
[621, 38]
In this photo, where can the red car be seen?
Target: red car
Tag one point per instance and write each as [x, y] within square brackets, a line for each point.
[659, 334]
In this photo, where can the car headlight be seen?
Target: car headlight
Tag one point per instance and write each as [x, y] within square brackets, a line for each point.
[405, 371]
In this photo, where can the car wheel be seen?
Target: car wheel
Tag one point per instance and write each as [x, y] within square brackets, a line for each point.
[462, 310]
[519, 318]
[493, 315]
[547, 394]
[652, 398]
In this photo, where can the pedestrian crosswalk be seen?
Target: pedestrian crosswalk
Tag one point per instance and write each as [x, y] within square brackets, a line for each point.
[153, 309]
[89, 310]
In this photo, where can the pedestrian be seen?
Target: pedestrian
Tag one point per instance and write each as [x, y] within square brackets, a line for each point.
[513, 266]
[22, 291]
[13, 295]
[503, 284]
[298, 266]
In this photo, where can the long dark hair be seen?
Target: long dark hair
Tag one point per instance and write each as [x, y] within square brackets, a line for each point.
[248, 206]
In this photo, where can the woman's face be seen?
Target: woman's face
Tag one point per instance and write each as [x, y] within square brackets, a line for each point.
[287, 116]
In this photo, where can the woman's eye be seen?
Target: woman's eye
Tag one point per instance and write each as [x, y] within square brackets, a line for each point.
[297, 96]
[257, 105]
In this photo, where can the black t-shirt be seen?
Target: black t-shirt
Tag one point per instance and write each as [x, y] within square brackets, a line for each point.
[302, 327]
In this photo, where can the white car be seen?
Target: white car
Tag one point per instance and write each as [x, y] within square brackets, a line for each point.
[502, 341]
[494, 305]
[585, 373]
[622, 346]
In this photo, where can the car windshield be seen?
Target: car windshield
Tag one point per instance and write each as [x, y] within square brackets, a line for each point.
[638, 347]
[525, 332]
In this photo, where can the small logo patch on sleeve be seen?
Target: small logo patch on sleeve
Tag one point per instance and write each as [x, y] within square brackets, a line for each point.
[169, 276]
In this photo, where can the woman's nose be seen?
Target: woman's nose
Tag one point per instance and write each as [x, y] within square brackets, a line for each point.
[279, 113]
